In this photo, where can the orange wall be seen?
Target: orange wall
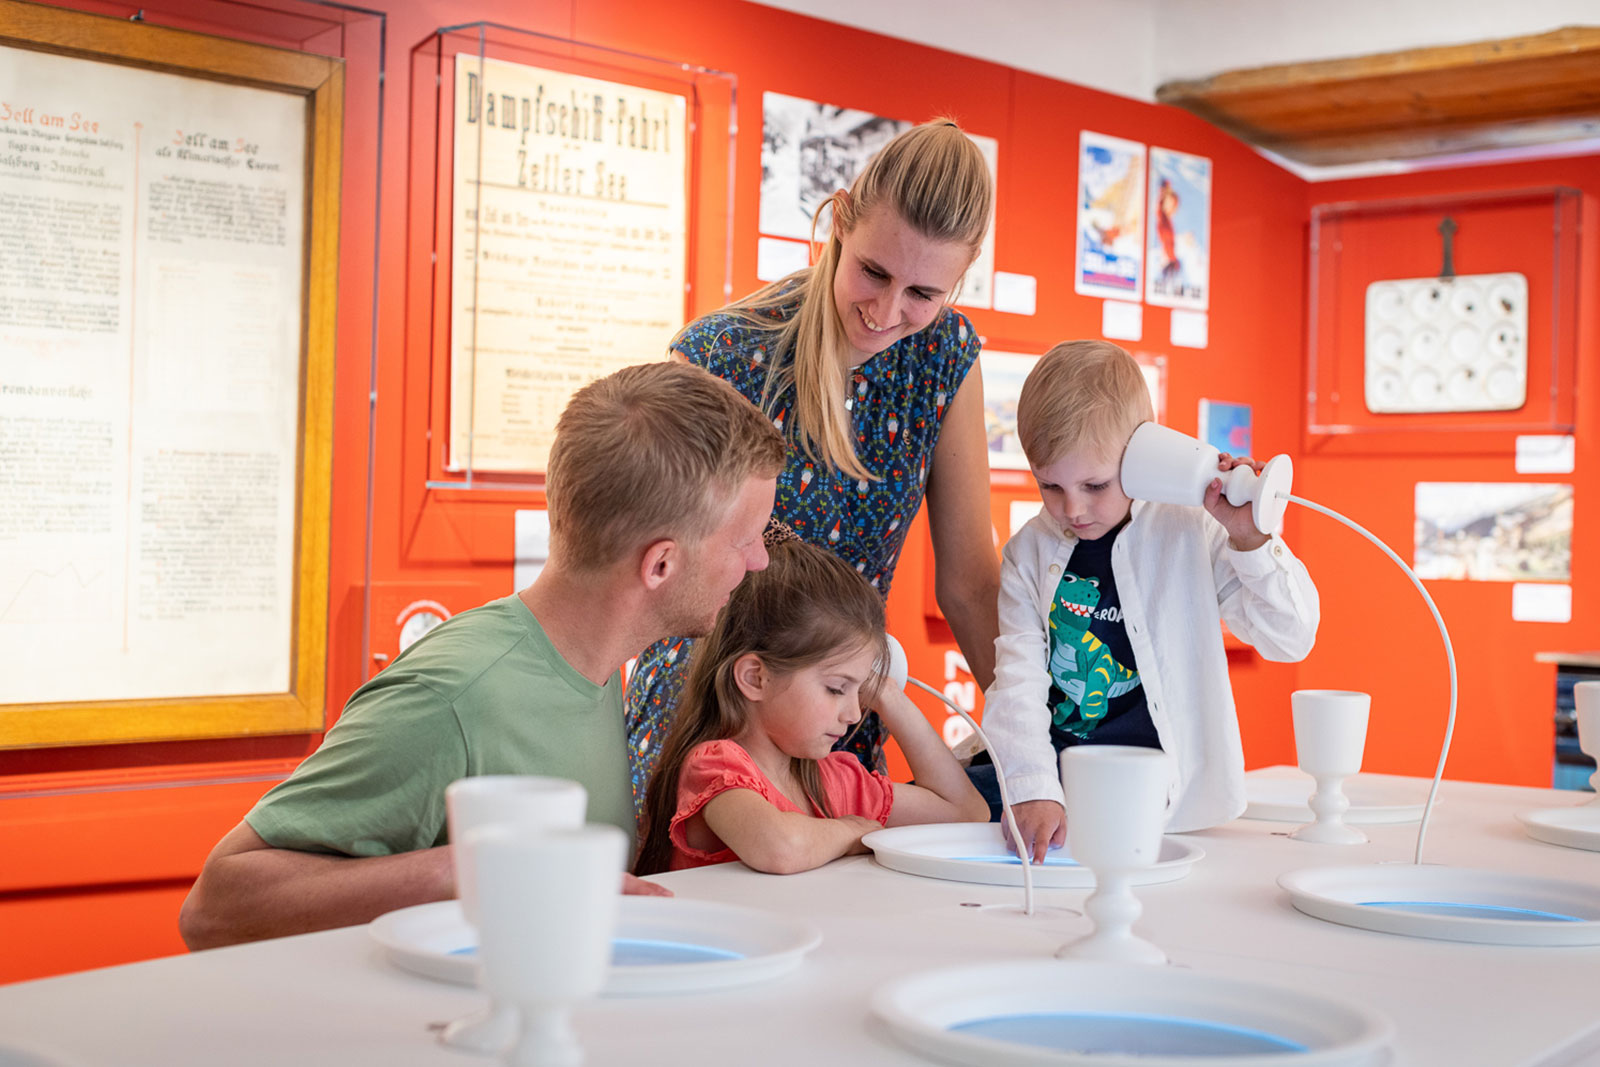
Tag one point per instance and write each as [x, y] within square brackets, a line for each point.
[1376, 633]
[99, 842]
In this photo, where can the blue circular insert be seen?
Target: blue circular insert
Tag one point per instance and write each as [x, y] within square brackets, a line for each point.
[1127, 1033]
[1451, 909]
[634, 952]
[1049, 861]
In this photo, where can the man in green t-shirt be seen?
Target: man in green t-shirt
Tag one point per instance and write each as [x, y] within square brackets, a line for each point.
[660, 482]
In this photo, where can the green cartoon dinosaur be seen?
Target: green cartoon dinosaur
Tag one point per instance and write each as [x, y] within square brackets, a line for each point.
[1080, 663]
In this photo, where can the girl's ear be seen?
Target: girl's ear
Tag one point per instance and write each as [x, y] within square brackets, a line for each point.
[750, 675]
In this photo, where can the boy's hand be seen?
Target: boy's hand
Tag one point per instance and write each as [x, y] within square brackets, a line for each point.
[1043, 826]
[1238, 521]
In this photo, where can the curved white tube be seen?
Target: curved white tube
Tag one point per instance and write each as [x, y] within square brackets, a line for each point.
[1000, 777]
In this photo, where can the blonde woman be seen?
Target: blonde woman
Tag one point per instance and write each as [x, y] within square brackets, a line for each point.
[872, 377]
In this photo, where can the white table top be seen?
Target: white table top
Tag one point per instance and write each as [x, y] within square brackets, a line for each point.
[333, 998]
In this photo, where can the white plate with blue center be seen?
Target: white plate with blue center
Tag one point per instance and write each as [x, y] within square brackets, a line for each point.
[975, 852]
[1450, 903]
[1050, 1012]
[662, 944]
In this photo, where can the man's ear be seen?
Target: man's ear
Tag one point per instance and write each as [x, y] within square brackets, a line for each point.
[750, 675]
[659, 562]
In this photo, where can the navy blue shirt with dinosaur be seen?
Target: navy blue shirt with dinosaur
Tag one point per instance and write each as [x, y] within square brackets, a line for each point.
[1095, 695]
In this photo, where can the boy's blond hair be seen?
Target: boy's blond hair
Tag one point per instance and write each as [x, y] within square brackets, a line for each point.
[651, 452]
[1081, 396]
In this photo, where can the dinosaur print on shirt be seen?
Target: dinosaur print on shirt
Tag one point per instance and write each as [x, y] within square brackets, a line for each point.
[1081, 665]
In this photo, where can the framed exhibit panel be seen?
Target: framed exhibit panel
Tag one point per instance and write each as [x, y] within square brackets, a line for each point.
[581, 201]
[167, 303]
[1434, 318]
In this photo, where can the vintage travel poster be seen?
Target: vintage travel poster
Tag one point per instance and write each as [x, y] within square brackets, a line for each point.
[569, 248]
[1003, 375]
[1110, 243]
[1178, 252]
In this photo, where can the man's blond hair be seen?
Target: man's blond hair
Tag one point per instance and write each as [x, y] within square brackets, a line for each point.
[1081, 396]
[652, 452]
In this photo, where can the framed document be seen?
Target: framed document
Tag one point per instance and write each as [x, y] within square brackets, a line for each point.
[569, 242]
[571, 208]
[166, 362]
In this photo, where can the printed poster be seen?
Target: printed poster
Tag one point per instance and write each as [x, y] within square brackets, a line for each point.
[1178, 259]
[1110, 217]
[151, 326]
[1494, 532]
[569, 248]
[1226, 427]
[810, 150]
[1003, 375]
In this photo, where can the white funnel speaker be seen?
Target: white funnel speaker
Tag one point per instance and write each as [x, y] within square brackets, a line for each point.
[1169, 467]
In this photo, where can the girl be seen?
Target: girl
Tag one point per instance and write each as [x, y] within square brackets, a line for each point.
[872, 377]
[748, 771]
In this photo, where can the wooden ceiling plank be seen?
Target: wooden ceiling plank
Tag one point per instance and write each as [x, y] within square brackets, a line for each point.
[1427, 101]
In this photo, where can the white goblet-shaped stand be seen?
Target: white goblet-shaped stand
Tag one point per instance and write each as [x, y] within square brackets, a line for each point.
[522, 800]
[1116, 808]
[547, 911]
[1330, 734]
[1586, 695]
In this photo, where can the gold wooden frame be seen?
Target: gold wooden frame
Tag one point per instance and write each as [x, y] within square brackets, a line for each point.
[321, 81]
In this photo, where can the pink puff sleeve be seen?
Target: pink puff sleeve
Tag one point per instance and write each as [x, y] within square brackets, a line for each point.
[712, 768]
[854, 790]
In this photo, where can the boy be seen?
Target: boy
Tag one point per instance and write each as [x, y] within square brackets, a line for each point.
[1110, 608]
[659, 486]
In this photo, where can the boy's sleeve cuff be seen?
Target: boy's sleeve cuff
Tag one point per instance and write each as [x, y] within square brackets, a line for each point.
[1262, 560]
[1026, 787]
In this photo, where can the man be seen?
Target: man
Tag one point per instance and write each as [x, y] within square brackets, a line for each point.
[660, 482]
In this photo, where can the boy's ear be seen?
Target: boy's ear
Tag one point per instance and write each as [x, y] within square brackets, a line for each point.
[659, 562]
[750, 675]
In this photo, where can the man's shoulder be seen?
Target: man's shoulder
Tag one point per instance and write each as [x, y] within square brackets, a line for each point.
[458, 654]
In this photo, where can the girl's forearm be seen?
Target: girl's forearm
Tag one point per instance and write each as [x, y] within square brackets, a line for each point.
[794, 842]
[933, 765]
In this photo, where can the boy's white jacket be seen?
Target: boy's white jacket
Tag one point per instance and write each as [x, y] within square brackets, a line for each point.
[1177, 580]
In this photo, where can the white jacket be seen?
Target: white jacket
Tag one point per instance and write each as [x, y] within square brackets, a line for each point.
[1177, 580]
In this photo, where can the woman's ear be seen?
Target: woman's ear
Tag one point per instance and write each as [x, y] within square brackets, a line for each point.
[750, 675]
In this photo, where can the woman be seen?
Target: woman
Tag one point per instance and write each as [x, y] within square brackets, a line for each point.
[872, 376]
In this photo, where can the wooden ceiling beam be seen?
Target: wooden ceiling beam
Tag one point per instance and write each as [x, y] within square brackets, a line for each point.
[1515, 90]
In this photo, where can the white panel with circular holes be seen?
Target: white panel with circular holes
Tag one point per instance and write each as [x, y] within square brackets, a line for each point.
[1447, 344]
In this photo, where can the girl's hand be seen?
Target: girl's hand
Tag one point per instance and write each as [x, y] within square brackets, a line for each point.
[1238, 521]
[861, 826]
[893, 706]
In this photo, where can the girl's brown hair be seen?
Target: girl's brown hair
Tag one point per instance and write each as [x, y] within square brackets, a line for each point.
[804, 607]
[938, 182]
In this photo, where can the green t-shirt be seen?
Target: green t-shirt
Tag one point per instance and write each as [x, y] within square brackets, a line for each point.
[483, 693]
